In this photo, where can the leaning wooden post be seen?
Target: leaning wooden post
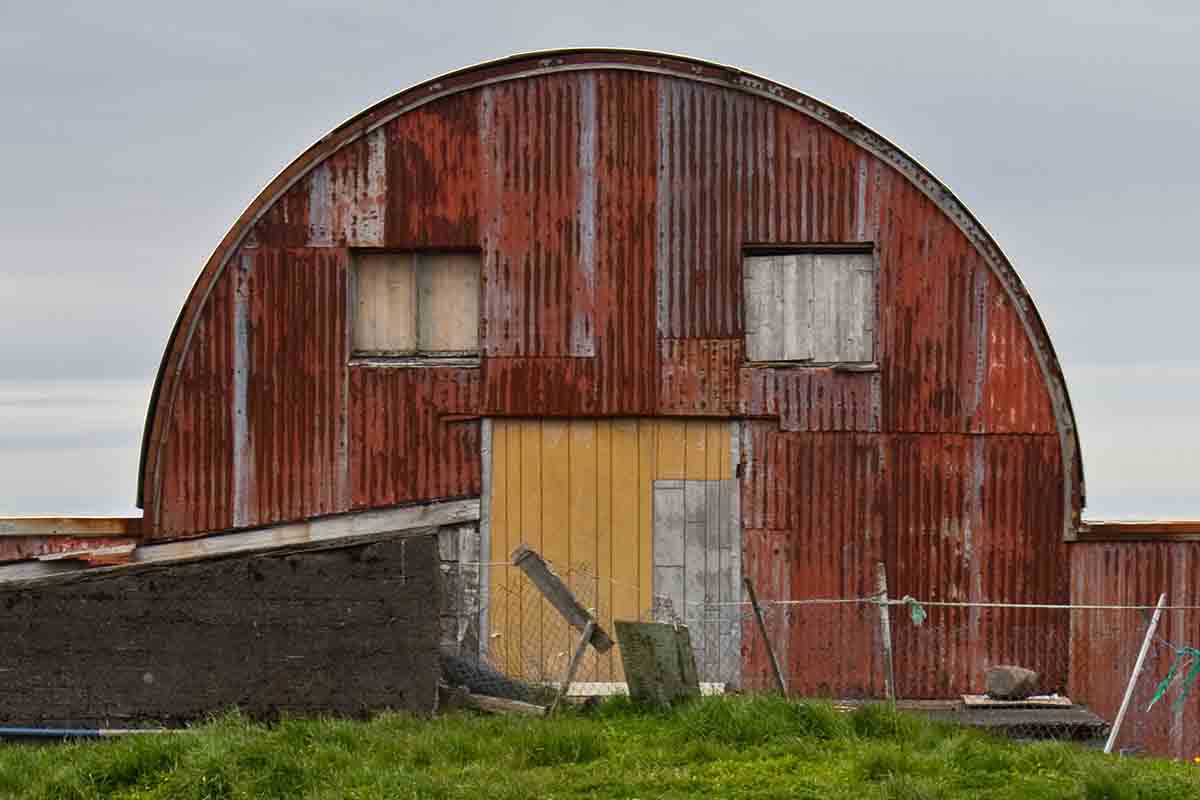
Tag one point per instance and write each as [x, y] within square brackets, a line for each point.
[1137, 671]
[563, 599]
[885, 631]
[573, 667]
[762, 628]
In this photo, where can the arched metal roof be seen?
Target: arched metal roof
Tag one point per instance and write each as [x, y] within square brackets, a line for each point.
[527, 65]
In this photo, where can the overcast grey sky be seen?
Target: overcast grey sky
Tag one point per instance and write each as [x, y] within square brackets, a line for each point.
[136, 132]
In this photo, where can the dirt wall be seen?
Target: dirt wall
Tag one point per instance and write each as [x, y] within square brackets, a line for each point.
[344, 631]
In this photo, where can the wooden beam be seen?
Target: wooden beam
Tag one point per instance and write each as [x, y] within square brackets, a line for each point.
[76, 527]
[561, 597]
[502, 705]
[337, 531]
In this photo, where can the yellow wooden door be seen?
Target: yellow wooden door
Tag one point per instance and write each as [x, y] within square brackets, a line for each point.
[580, 492]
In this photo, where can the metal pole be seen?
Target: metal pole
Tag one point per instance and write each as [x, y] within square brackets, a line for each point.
[1137, 670]
[885, 631]
[762, 628]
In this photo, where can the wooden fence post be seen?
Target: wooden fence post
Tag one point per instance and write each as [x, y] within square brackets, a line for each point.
[762, 628]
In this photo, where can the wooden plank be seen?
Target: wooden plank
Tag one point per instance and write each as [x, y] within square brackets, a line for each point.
[760, 312]
[583, 498]
[695, 452]
[605, 590]
[647, 469]
[710, 615]
[628, 531]
[729, 581]
[1044, 701]
[658, 660]
[795, 307]
[314, 531]
[448, 305]
[573, 666]
[518, 488]
[716, 449]
[669, 526]
[559, 595]
[694, 561]
[825, 347]
[556, 495]
[75, 527]
[502, 705]
[672, 447]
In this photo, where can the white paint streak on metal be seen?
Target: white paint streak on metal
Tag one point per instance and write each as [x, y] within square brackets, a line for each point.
[243, 447]
[320, 207]
[583, 314]
[368, 225]
[980, 301]
[665, 238]
[860, 209]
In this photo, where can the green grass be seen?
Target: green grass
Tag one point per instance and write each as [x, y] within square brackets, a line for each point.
[744, 747]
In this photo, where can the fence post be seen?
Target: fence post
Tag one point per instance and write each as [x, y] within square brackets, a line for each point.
[762, 628]
[1137, 671]
[885, 631]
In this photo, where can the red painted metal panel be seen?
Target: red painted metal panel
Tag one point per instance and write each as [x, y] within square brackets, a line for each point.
[700, 376]
[408, 439]
[295, 404]
[530, 191]
[1104, 644]
[974, 518]
[811, 508]
[954, 518]
[197, 486]
[433, 175]
[812, 398]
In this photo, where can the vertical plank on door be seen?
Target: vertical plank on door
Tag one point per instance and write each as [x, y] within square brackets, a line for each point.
[605, 589]
[556, 521]
[670, 527]
[647, 469]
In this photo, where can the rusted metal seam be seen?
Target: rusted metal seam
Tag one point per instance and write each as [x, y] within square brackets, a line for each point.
[853, 130]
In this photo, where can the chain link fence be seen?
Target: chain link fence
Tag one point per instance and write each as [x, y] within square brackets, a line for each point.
[501, 636]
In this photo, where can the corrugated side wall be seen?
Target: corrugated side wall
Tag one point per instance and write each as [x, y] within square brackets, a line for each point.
[1104, 644]
[611, 208]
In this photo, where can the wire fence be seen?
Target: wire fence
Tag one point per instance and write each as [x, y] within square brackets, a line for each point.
[497, 624]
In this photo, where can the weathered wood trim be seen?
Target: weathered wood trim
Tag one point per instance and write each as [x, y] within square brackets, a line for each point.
[340, 530]
[71, 526]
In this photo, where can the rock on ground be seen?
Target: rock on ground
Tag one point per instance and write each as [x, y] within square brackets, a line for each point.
[1006, 682]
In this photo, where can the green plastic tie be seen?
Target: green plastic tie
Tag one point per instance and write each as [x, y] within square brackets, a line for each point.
[915, 609]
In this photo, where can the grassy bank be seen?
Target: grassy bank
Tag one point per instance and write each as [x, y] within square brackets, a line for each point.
[718, 748]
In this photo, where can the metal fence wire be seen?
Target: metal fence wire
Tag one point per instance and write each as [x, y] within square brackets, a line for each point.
[501, 637]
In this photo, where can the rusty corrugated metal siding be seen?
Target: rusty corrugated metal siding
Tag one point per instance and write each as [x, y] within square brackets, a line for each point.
[408, 441]
[1104, 644]
[954, 517]
[611, 205]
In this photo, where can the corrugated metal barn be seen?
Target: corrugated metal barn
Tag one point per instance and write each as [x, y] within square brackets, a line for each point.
[669, 323]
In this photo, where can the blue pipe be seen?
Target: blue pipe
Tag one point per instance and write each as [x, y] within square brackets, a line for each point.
[71, 733]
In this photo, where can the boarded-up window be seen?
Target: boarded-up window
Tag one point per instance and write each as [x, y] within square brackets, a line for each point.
[416, 304]
[815, 307]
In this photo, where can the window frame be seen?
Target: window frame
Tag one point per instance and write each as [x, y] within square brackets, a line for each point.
[417, 356]
[752, 250]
